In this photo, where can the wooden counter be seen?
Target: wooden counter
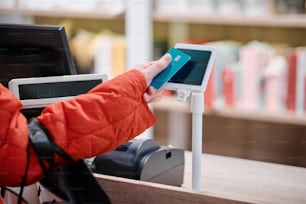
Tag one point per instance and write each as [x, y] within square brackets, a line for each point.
[225, 180]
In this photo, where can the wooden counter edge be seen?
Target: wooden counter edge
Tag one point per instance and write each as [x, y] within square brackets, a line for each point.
[122, 190]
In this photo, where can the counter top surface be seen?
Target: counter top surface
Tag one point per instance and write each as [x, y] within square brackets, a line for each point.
[249, 180]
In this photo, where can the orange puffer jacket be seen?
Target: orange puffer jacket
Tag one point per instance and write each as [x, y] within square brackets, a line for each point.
[87, 125]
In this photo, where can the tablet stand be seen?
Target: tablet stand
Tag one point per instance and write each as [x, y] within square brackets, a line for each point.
[197, 109]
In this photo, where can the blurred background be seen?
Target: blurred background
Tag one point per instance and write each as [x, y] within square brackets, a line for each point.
[255, 102]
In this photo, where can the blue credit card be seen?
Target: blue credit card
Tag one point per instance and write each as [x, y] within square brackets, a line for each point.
[178, 60]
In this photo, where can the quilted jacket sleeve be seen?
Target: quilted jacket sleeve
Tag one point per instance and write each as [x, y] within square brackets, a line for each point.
[109, 115]
[87, 125]
[13, 141]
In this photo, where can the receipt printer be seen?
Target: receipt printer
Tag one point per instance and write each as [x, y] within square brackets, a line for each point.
[143, 159]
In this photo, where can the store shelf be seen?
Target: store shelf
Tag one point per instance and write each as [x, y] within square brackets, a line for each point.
[86, 14]
[289, 21]
[171, 104]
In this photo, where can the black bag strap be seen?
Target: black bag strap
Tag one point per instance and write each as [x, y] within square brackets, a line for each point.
[74, 182]
[43, 145]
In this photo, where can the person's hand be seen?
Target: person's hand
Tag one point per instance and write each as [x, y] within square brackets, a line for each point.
[150, 70]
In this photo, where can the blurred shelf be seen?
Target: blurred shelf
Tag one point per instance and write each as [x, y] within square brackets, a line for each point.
[289, 21]
[85, 14]
[171, 104]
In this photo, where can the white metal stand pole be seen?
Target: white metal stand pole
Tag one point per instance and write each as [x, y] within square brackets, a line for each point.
[197, 109]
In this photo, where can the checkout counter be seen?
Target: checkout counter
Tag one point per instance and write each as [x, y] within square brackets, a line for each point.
[224, 180]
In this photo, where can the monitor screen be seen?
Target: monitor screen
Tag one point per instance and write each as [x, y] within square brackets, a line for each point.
[33, 51]
[193, 71]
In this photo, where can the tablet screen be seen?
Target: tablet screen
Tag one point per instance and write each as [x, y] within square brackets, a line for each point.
[193, 72]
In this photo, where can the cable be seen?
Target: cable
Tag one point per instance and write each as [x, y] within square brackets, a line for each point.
[5, 189]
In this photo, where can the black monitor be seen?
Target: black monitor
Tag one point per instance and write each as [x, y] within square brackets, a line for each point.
[34, 51]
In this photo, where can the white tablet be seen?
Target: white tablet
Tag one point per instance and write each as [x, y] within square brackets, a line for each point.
[39, 92]
[195, 74]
